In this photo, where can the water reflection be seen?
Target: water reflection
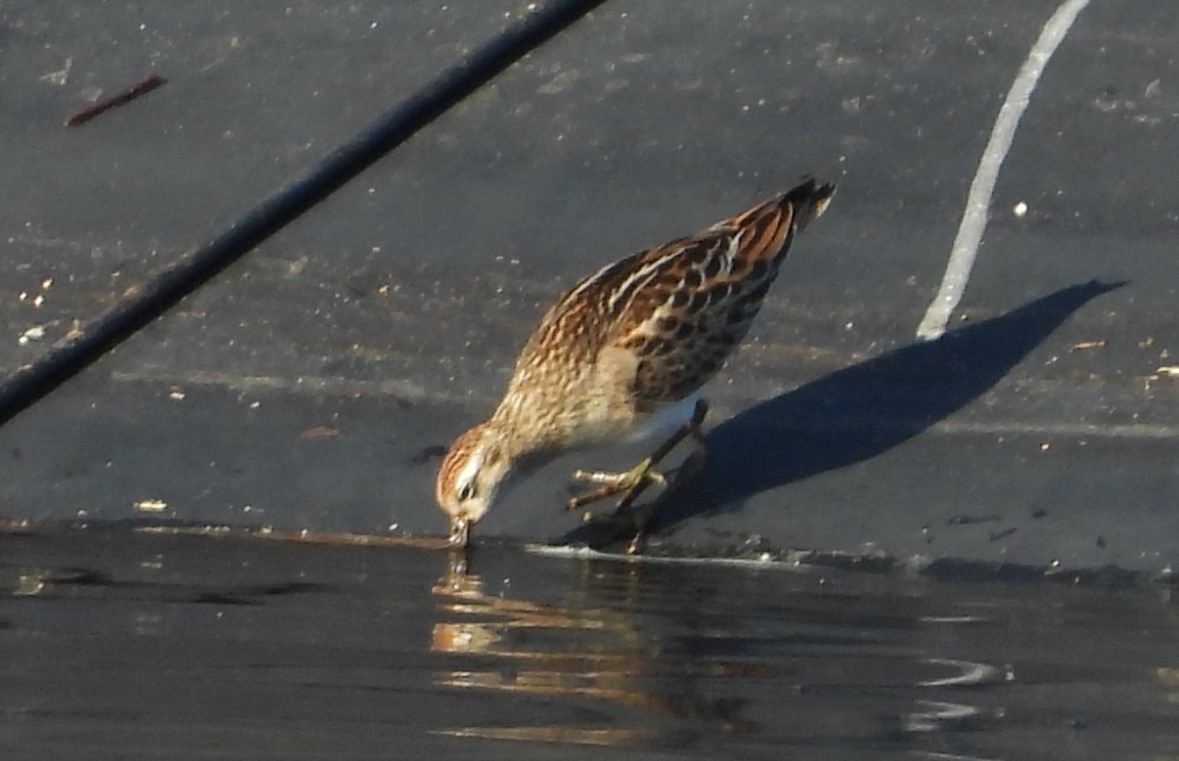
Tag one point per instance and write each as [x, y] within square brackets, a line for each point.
[698, 658]
[267, 645]
[570, 650]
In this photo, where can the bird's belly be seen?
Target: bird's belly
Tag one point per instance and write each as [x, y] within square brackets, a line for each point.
[666, 421]
[603, 426]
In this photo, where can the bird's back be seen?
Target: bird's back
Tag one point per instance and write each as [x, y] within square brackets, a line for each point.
[664, 321]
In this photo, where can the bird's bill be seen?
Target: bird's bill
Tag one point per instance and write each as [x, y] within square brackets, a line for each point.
[460, 531]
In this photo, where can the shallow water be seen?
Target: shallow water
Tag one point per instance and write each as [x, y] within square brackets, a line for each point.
[120, 644]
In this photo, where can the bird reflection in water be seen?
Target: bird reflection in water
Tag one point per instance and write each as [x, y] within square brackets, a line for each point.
[580, 650]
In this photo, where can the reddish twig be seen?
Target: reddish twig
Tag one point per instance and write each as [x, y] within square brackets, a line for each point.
[131, 93]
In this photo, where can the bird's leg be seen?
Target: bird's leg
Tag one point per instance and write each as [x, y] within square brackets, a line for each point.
[632, 483]
[643, 515]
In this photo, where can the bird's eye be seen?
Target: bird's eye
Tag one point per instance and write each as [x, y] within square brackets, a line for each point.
[466, 492]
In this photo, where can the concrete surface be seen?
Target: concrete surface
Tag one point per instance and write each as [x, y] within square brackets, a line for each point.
[310, 384]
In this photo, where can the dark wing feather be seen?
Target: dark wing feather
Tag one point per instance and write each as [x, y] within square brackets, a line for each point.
[681, 307]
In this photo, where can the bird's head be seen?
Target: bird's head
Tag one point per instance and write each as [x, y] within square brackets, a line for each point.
[470, 477]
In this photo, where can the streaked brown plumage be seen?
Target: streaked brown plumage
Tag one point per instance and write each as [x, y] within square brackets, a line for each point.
[626, 350]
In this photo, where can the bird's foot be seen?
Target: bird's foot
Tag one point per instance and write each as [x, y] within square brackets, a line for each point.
[629, 519]
[630, 484]
[626, 518]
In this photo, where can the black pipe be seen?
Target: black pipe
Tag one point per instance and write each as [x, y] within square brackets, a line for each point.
[139, 307]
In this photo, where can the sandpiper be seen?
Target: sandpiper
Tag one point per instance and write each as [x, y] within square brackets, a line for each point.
[622, 356]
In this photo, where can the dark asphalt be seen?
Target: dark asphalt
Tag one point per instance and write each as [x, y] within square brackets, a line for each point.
[307, 386]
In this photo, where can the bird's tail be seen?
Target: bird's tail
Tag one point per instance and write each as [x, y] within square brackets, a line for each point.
[807, 200]
[767, 230]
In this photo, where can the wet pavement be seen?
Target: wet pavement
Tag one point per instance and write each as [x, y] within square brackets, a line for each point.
[122, 643]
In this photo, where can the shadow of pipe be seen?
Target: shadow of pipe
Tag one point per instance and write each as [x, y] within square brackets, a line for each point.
[863, 410]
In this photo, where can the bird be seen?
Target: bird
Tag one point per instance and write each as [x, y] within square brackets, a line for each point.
[622, 357]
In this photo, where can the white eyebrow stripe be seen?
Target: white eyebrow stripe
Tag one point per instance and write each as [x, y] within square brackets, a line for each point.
[470, 469]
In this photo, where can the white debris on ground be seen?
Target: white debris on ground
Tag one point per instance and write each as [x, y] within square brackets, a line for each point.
[32, 333]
